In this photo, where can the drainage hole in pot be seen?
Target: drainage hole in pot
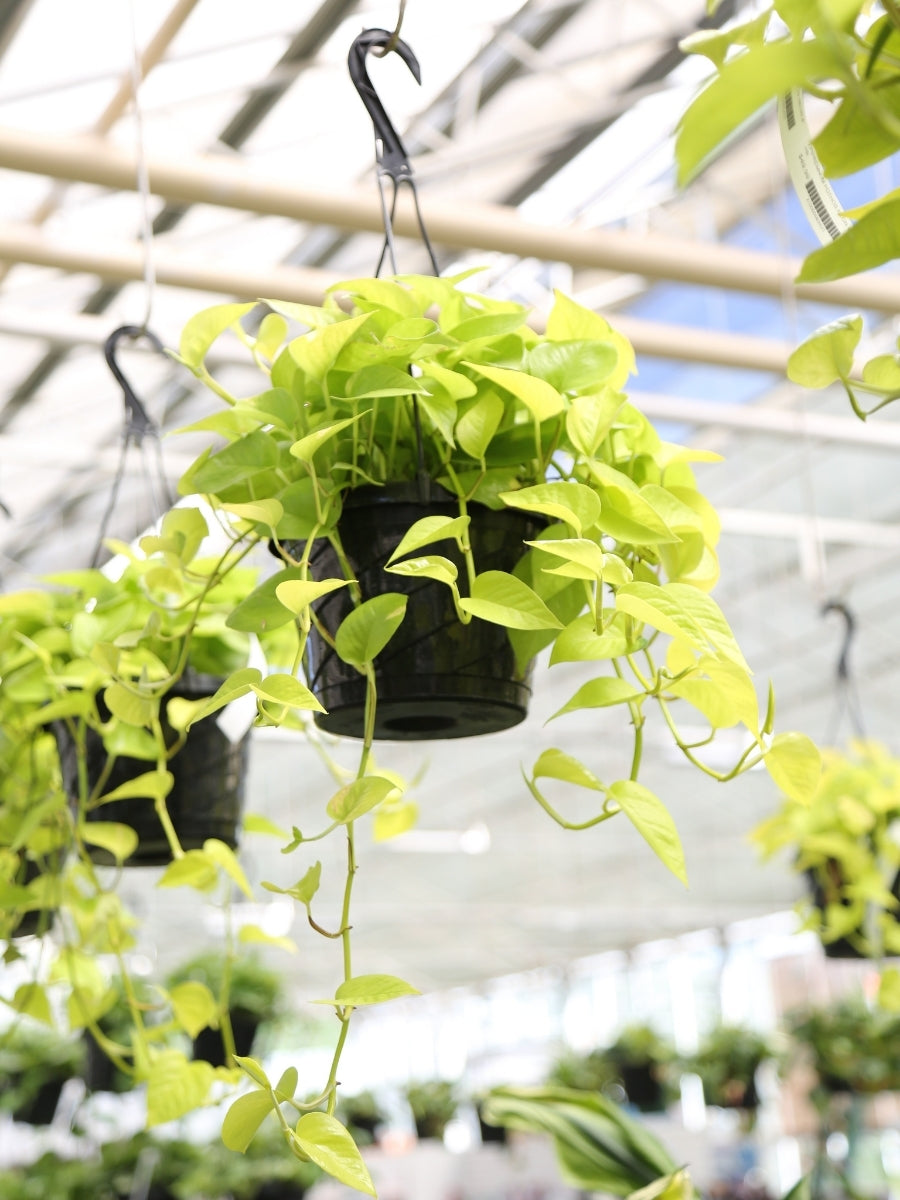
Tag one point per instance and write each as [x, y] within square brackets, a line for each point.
[419, 723]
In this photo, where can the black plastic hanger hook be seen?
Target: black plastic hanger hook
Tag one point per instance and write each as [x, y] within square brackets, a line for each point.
[138, 420]
[843, 663]
[390, 153]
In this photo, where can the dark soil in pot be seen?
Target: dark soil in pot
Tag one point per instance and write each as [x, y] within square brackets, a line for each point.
[437, 678]
[205, 801]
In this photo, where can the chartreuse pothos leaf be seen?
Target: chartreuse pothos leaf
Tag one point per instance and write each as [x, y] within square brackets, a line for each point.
[539, 397]
[244, 1117]
[120, 840]
[223, 856]
[194, 1006]
[316, 352]
[428, 566]
[683, 612]
[580, 641]
[366, 631]
[325, 1141]
[371, 989]
[827, 355]
[204, 327]
[590, 418]
[651, 819]
[741, 87]
[31, 1000]
[874, 239]
[505, 600]
[573, 503]
[175, 1086]
[889, 990]
[154, 785]
[428, 530]
[129, 706]
[194, 869]
[478, 424]
[582, 558]
[262, 611]
[281, 688]
[359, 797]
[795, 764]
[236, 685]
[253, 934]
[298, 594]
[601, 693]
[267, 512]
[556, 764]
[304, 890]
[306, 447]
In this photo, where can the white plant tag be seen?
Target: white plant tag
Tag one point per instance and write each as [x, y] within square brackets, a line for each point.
[816, 195]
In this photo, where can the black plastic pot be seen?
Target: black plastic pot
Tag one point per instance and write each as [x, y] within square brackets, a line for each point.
[737, 1093]
[208, 1044]
[436, 678]
[840, 947]
[643, 1089]
[207, 796]
[35, 922]
[41, 1109]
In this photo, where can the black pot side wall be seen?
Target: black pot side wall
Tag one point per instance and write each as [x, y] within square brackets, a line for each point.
[206, 799]
[437, 678]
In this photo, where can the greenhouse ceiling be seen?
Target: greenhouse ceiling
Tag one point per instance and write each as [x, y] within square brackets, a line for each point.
[157, 157]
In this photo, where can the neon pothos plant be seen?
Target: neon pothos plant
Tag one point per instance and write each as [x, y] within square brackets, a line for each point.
[618, 576]
[96, 659]
[846, 53]
[845, 841]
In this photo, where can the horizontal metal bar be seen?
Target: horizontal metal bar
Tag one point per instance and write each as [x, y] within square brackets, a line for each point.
[225, 183]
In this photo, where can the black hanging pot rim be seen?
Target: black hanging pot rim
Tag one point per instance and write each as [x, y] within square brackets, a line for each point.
[437, 678]
[206, 799]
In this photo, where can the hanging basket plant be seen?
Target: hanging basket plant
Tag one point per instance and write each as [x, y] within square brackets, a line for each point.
[843, 841]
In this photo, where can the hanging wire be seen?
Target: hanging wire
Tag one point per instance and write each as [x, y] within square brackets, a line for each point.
[391, 158]
[143, 175]
[847, 698]
[395, 36]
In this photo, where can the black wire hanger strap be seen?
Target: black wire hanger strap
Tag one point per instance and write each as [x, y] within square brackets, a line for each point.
[391, 160]
[138, 427]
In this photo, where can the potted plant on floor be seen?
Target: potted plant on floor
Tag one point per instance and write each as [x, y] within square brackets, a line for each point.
[853, 1046]
[362, 1113]
[843, 842]
[640, 1061]
[35, 1063]
[727, 1060]
[433, 1103]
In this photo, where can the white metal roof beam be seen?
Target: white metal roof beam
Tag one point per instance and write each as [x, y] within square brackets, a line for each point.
[206, 180]
[124, 262]
[883, 435]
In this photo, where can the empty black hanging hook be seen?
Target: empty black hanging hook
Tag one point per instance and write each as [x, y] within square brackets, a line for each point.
[843, 663]
[138, 422]
[138, 425]
[847, 699]
[391, 158]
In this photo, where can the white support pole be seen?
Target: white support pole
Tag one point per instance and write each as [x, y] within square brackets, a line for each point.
[207, 180]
